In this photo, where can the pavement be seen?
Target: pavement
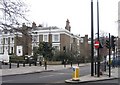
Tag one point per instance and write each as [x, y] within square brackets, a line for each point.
[37, 69]
[34, 69]
[104, 76]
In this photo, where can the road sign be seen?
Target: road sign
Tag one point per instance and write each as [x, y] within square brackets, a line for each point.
[96, 44]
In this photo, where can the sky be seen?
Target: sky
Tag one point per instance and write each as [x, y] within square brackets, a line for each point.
[56, 12]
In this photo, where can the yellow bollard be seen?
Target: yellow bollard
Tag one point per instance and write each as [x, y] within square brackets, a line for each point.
[75, 74]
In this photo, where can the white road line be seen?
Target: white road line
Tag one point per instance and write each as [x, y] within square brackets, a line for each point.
[54, 74]
[46, 76]
[7, 81]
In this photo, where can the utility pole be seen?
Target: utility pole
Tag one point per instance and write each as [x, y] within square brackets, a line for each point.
[109, 57]
[92, 44]
[98, 57]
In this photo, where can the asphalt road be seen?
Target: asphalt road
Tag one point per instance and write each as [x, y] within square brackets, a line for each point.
[106, 82]
[45, 77]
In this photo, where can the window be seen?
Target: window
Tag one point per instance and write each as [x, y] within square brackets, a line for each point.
[35, 38]
[56, 38]
[11, 40]
[19, 51]
[6, 40]
[77, 42]
[45, 38]
[1, 41]
[1, 49]
[82, 40]
[11, 49]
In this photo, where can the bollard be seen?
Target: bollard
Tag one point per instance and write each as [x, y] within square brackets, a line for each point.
[45, 65]
[101, 73]
[71, 63]
[75, 74]
[23, 64]
[105, 66]
[40, 63]
[10, 65]
[29, 63]
[18, 64]
[95, 68]
[64, 64]
[35, 63]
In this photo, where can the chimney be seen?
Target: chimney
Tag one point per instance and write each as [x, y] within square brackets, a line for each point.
[34, 25]
[67, 27]
[23, 25]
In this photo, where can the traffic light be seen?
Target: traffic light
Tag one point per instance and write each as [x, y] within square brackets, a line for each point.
[113, 42]
[107, 44]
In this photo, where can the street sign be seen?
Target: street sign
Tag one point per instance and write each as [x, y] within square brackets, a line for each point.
[96, 44]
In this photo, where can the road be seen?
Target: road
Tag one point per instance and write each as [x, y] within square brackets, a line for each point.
[106, 82]
[58, 76]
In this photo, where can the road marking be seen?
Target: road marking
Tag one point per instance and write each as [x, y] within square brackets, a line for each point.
[54, 74]
[5, 81]
[62, 73]
[46, 76]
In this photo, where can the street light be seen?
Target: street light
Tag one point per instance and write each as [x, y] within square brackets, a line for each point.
[92, 44]
[98, 57]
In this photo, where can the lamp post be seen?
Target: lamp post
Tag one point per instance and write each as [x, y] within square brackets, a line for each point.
[92, 44]
[98, 57]
[109, 57]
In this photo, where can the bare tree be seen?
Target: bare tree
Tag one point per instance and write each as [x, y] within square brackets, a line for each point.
[103, 50]
[12, 13]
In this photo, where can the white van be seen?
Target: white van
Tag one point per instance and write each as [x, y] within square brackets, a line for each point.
[4, 58]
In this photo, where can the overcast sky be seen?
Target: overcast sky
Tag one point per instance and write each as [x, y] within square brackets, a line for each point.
[56, 12]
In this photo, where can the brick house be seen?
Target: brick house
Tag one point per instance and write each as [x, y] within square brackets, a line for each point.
[85, 48]
[61, 39]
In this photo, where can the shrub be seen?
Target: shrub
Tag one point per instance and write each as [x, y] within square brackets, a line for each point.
[15, 59]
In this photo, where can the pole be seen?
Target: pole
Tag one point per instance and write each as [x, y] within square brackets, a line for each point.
[10, 65]
[71, 63]
[95, 67]
[116, 58]
[24, 64]
[105, 63]
[92, 45]
[18, 64]
[98, 57]
[109, 57]
[45, 65]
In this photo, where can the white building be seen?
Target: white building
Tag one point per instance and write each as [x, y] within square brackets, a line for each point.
[7, 42]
